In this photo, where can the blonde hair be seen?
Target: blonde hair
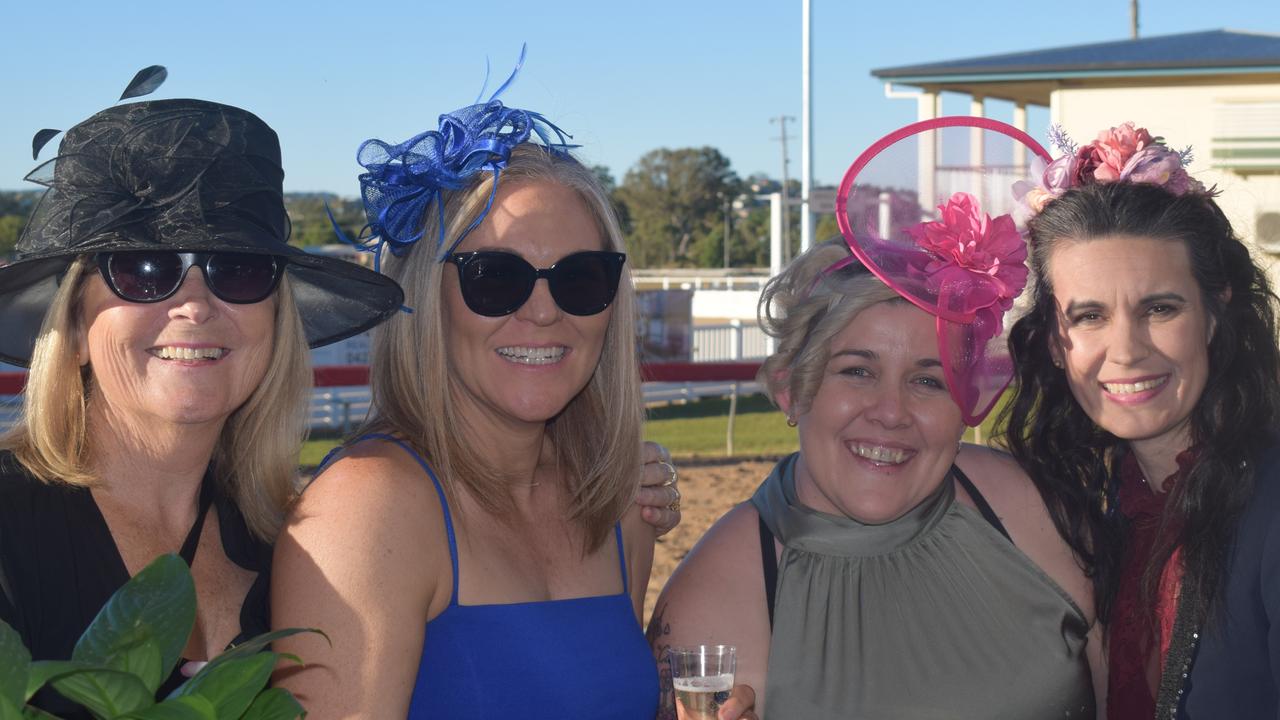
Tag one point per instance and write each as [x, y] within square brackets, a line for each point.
[804, 307]
[256, 457]
[598, 449]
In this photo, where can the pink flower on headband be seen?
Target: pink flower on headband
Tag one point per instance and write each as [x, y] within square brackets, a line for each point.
[1104, 159]
[973, 263]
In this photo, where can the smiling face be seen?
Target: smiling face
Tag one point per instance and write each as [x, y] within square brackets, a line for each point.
[189, 359]
[1133, 335]
[882, 430]
[525, 367]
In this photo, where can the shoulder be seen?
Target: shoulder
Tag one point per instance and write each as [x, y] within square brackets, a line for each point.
[1267, 477]
[25, 499]
[724, 562]
[372, 518]
[374, 476]
[1000, 480]
[1018, 504]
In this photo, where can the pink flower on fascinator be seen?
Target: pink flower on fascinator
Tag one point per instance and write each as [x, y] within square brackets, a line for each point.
[975, 264]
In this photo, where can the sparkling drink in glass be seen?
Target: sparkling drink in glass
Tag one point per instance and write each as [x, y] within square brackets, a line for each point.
[702, 677]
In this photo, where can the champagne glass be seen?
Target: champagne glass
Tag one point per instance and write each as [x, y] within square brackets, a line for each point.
[702, 676]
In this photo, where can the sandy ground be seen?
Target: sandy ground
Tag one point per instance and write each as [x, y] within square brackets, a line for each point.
[708, 490]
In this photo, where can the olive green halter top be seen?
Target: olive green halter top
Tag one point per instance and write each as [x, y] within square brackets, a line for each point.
[933, 615]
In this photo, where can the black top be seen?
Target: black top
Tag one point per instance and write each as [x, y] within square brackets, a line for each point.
[59, 565]
[1235, 672]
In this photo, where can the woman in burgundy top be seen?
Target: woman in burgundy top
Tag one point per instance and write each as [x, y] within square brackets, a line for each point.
[1146, 411]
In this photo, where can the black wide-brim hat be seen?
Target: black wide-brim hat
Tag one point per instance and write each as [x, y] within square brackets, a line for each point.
[182, 175]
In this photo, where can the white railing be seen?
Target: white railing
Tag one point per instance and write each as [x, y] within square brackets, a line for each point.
[732, 341]
[700, 279]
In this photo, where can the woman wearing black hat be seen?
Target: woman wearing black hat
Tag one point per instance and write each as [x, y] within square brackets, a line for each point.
[166, 324]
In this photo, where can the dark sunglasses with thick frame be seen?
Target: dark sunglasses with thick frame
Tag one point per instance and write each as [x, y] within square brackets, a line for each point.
[148, 276]
[496, 283]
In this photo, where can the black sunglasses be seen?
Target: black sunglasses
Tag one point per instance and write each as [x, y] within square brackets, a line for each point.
[497, 283]
[147, 276]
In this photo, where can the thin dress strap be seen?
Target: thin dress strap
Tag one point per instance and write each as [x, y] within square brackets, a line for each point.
[444, 504]
[983, 506]
[622, 559]
[769, 558]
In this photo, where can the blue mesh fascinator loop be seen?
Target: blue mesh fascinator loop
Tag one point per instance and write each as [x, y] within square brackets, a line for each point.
[401, 181]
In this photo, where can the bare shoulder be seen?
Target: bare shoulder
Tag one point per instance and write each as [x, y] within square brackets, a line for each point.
[367, 474]
[725, 565]
[1018, 504]
[369, 513]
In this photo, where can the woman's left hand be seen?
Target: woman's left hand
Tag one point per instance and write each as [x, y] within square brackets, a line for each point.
[659, 495]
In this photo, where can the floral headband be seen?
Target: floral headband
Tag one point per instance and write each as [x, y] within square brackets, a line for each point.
[964, 267]
[1119, 154]
[401, 181]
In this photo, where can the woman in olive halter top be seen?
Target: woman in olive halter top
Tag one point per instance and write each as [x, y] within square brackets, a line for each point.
[886, 570]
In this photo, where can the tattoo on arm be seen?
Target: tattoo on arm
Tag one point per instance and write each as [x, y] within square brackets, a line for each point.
[658, 635]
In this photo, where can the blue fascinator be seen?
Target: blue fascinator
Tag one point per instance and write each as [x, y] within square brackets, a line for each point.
[401, 181]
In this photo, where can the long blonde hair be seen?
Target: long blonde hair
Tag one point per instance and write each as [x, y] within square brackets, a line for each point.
[598, 448]
[256, 457]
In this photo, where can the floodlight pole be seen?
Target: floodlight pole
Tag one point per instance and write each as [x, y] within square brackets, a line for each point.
[806, 126]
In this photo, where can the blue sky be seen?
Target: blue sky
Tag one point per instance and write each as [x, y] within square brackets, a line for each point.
[623, 77]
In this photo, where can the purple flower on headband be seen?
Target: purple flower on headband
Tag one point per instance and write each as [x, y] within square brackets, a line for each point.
[976, 265]
[1158, 165]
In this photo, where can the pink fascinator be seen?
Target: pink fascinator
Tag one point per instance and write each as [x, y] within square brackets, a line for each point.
[944, 237]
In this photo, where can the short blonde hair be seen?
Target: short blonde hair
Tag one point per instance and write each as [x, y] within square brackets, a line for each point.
[256, 457]
[803, 308]
[598, 449]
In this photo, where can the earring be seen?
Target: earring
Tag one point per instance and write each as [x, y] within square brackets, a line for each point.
[791, 422]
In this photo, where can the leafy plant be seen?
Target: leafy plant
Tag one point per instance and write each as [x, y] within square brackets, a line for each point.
[132, 646]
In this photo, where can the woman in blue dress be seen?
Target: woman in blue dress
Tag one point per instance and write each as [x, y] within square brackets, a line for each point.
[502, 565]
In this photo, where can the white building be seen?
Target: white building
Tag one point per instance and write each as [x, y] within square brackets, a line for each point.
[1217, 91]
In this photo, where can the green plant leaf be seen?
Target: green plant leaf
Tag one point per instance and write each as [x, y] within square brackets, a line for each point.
[275, 704]
[150, 616]
[232, 685]
[257, 644]
[182, 708]
[44, 671]
[15, 666]
[31, 713]
[9, 710]
[106, 693]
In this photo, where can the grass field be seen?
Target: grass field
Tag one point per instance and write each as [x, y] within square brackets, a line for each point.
[698, 429]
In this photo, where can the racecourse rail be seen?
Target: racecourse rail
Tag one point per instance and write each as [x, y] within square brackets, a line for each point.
[341, 396]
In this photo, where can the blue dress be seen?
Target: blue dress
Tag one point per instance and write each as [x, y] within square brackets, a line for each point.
[574, 658]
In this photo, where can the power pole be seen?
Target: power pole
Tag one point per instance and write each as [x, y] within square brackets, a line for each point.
[782, 121]
[1133, 18]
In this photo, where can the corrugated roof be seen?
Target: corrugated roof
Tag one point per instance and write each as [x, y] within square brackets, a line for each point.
[1196, 52]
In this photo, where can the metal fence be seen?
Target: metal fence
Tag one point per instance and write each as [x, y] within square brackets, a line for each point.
[340, 409]
[732, 341]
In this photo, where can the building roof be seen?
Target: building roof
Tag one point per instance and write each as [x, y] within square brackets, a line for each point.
[1196, 51]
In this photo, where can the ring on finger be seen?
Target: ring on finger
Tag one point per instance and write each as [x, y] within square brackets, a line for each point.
[671, 469]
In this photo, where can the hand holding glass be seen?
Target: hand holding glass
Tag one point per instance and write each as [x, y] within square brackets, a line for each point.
[702, 676]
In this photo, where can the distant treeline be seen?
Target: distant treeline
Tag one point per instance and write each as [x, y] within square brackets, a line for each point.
[676, 207]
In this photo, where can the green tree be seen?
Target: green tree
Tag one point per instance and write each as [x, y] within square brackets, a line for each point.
[674, 199]
[10, 230]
